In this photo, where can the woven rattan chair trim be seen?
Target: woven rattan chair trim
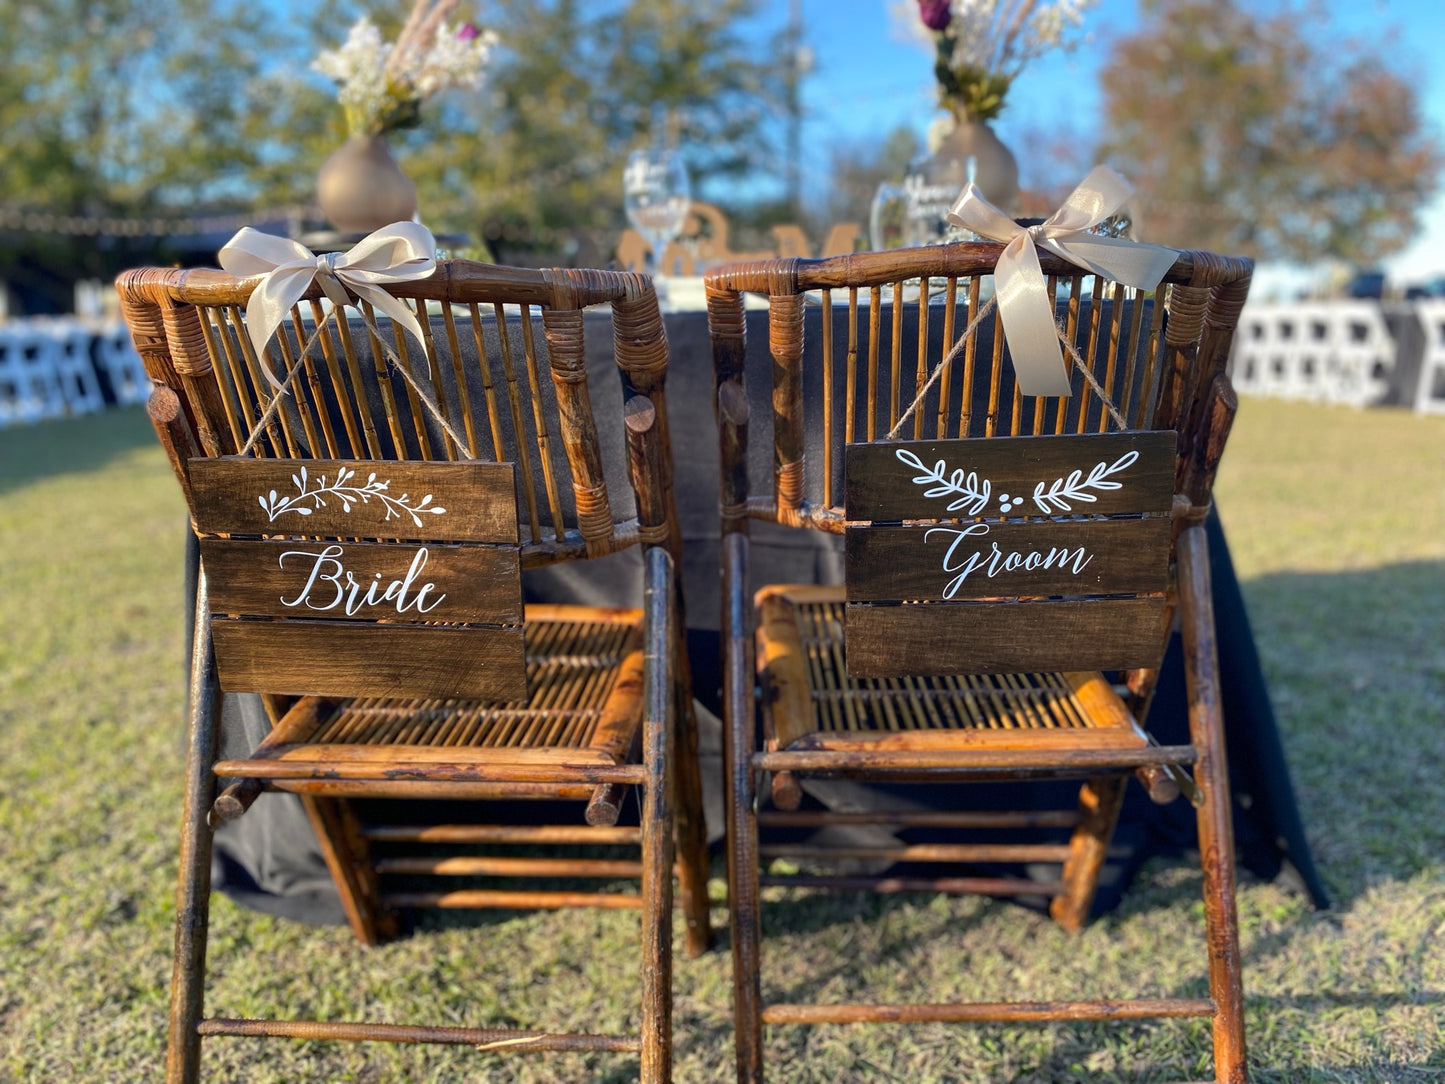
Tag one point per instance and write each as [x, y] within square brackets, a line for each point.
[984, 704]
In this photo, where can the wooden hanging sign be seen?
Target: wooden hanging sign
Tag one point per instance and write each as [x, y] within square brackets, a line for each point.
[964, 561]
[365, 581]
[362, 578]
[1007, 554]
[458, 502]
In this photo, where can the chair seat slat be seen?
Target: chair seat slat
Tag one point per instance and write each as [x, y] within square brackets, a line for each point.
[964, 762]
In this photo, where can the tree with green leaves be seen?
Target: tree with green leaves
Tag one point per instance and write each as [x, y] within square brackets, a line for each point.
[126, 110]
[573, 88]
[1248, 130]
[114, 109]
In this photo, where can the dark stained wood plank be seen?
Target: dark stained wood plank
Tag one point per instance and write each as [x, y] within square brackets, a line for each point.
[1014, 476]
[1002, 638]
[402, 582]
[457, 502]
[360, 659]
[990, 560]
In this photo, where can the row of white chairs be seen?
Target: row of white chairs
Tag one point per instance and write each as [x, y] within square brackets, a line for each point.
[1430, 393]
[1342, 352]
[54, 367]
[1336, 352]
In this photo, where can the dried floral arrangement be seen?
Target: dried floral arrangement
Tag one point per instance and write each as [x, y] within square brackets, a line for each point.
[382, 85]
[982, 45]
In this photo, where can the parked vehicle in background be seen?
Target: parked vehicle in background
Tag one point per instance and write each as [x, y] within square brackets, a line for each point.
[1434, 287]
[1366, 284]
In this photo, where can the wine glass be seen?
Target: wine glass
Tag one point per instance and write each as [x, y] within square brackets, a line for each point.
[656, 197]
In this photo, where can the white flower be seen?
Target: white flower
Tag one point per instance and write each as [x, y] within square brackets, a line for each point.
[382, 85]
[361, 60]
[973, 22]
[1001, 38]
[451, 62]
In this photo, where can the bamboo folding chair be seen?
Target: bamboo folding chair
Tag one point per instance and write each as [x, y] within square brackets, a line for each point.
[438, 476]
[948, 657]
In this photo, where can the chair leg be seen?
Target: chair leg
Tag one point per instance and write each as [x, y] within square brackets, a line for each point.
[742, 824]
[1099, 802]
[657, 857]
[745, 912]
[659, 719]
[347, 857]
[691, 835]
[193, 888]
[1216, 830]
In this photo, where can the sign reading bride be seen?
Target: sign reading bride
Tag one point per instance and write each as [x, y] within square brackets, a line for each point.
[339, 572]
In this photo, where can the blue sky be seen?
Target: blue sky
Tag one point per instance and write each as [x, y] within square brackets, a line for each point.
[868, 79]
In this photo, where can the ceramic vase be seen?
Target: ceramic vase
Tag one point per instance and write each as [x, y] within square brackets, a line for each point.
[361, 188]
[996, 171]
[916, 213]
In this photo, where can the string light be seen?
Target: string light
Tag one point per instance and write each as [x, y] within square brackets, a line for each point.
[27, 221]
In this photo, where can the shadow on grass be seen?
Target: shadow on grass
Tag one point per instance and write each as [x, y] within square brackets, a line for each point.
[33, 453]
[1070, 1051]
[1076, 1044]
[1357, 681]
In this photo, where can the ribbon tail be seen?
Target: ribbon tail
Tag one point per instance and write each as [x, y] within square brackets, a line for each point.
[1028, 321]
[267, 307]
[332, 288]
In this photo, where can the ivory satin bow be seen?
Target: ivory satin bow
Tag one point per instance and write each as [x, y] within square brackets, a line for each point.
[1024, 303]
[401, 252]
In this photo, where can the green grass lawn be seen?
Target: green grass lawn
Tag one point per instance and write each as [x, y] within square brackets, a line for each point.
[1337, 523]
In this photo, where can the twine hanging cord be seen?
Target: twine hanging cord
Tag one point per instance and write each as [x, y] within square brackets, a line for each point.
[401, 252]
[283, 386]
[957, 349]
[1026, 309]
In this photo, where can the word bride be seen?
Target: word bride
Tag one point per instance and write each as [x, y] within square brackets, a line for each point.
[324, 589]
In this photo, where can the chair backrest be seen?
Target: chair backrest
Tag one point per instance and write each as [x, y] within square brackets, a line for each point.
[985, 530]
[371, 540]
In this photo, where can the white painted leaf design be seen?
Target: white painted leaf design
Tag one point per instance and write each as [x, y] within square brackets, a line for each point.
[972, 495]
[348, 495]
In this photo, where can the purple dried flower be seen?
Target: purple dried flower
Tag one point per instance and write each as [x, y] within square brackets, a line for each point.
[468, 32]
[935, 13]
